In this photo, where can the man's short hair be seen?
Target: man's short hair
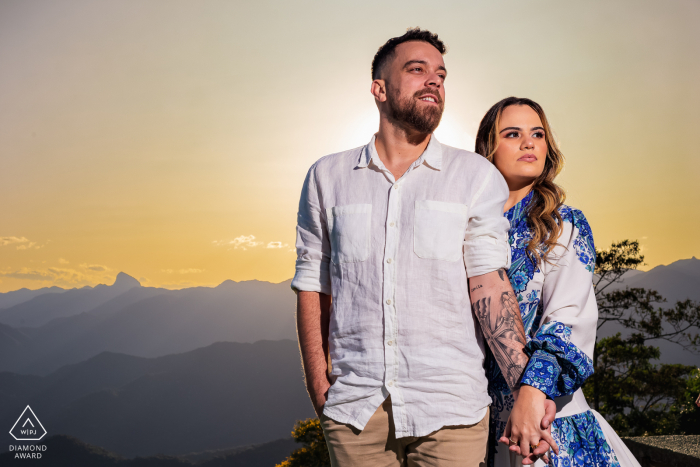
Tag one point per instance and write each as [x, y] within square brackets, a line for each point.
[387, 51]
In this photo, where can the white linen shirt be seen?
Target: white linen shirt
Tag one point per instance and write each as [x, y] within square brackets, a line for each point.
[395, 256]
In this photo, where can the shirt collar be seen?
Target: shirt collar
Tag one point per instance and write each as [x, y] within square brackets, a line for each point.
[432, 156]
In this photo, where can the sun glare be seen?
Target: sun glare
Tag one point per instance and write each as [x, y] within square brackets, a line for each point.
[452, 132]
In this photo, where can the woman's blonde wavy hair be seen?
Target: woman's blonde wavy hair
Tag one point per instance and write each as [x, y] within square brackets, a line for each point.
[543, 216]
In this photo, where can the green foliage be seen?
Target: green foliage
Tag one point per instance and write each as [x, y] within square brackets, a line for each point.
[637, 396]
[688, 412]
[313, 452]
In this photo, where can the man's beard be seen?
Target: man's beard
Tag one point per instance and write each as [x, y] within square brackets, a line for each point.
[407, 113]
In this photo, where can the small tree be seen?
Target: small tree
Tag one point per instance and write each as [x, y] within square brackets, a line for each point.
[637, 396]
[314, 452]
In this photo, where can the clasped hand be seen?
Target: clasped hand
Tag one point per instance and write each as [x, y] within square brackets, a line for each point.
[528, 431]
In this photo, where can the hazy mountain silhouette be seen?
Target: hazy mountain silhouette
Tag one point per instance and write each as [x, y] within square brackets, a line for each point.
[677, 281]
[43, 308]
[226, 394]
[16, 297]
[151, 322]
[68, 451]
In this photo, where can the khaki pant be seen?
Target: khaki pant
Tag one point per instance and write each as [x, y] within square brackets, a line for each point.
[377, 445]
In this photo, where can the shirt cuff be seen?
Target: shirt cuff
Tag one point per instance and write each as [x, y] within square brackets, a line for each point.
[312, 276]
[485, 255]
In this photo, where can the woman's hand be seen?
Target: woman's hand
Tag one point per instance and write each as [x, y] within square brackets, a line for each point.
[530, 423]
[550, 413]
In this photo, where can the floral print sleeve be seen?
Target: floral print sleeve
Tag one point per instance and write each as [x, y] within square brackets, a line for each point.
[556, 366]
[560, 350]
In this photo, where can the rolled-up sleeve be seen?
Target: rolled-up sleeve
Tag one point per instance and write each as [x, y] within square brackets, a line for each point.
[486, 240]
[313, 249]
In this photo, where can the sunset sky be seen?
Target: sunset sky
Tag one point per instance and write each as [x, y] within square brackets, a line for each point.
[169, 139]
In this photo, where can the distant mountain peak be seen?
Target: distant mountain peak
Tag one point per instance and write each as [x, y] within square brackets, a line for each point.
[226, 283]
[125, 281]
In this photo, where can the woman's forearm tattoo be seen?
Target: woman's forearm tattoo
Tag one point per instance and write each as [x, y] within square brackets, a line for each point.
[504, 333]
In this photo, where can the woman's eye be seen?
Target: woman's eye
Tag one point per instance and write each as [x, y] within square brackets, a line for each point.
[539, 134]
[512, 134]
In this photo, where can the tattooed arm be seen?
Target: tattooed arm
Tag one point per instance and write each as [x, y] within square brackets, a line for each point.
[497, 310]
[495, 306]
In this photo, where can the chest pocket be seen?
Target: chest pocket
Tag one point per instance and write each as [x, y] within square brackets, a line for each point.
[439, 229]
[349, 228]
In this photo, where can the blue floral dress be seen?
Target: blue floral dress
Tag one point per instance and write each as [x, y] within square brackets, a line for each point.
[559, 311]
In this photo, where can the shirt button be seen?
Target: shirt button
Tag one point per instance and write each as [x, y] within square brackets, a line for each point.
[391, 383]
[388, 260]
[391, 225]
[396, 187]
[390, 342]
[388, 301]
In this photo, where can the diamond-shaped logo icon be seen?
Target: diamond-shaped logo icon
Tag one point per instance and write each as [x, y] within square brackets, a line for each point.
[28, 427]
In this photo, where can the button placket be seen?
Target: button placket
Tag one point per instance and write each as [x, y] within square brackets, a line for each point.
[389, 281]
[391, 351]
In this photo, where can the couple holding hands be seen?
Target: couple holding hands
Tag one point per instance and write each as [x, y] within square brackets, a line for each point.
[445, 306]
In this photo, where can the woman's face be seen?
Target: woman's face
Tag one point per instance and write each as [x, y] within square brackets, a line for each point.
[522, 147]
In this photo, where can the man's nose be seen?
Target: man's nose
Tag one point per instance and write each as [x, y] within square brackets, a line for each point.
[434, 80]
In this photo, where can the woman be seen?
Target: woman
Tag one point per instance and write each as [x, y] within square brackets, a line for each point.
[552, 261]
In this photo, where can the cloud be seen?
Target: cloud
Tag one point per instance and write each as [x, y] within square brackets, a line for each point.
[243, 242]
[95, 267]
[63, 261]
[182, 271]
[23, 243]
[276, 245]
[28, 274]
[66, 276]
[86, 274]
[4, 241]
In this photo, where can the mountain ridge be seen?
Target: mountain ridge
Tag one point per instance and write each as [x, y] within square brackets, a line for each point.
[225, 394]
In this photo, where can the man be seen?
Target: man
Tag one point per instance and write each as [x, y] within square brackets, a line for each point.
[398, 233]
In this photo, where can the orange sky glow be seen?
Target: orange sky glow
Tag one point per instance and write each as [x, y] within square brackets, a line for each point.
[169, 139]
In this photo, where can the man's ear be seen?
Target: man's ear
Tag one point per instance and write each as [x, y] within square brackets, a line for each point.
[378, 90]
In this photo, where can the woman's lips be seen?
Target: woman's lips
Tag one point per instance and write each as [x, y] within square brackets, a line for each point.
[528, 158]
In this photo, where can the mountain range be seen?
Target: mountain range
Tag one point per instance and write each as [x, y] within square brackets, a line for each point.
[224, 395]
[677, 281]
[140, 371]
[58, 329]
[51, 329]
